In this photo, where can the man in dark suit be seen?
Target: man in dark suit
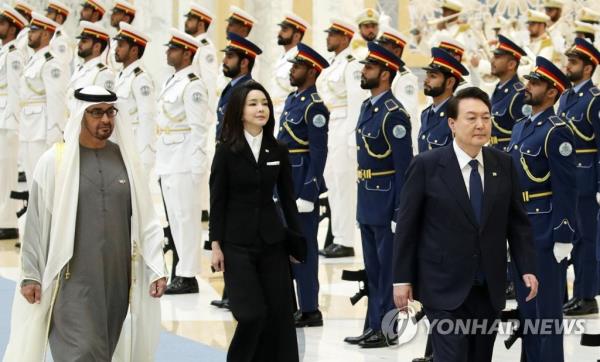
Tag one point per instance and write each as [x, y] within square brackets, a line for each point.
[459, 206]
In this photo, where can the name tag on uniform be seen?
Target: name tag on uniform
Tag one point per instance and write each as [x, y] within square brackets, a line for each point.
[273, 163]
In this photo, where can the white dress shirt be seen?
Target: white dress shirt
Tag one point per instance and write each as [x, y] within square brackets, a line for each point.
[465, 168]
[254, 142]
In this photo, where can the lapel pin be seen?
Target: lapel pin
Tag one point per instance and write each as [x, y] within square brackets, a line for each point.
[494, 174]
[121, 181]
[266, 150]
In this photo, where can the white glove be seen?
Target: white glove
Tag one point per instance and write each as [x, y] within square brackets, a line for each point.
[305, 206]
[393, 227]
[562, 251]
[598, 197]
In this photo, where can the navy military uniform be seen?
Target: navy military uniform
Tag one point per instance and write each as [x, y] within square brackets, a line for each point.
[543, 150]
[580, 107]
[303, 129]
[507, 99]
[434, 131]
[384, 151]
[244, 48]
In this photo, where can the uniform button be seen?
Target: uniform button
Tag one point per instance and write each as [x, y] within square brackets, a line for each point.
[516, 147]
[377, 186]
[423, 137]
[565, 222]
[302, 98]
[434, 140]
[579, 164]
[537, 210]
[528, 151]
[563, 114]
[358, 147]
[281, 128]
[285, 113]
[368, 134]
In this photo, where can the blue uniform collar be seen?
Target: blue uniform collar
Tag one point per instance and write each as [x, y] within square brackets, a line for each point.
[546, 113]
[577, 88]
[238, 79]
[435, 108]
[310, 90]
[375, 99]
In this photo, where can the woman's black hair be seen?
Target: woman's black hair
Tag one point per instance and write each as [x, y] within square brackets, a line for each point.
[233, 125]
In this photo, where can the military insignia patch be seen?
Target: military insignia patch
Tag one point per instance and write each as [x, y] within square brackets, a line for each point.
[399, 131]
[197, 97]
[210, 58]
[409, 89]
[526, 109]
[145, 90]
[109, 84]
[16, 65]
[357, 75]
[62, 48]
[319, 120]
[565, 149]
[55, 72]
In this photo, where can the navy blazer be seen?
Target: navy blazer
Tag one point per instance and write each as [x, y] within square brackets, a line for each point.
[439, 245]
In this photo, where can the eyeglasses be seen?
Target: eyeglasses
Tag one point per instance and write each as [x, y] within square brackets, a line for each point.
[98, 113]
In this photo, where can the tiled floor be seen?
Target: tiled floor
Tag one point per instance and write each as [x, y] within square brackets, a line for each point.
[191, 316]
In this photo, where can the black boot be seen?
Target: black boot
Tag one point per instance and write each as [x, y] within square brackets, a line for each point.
[182, 285]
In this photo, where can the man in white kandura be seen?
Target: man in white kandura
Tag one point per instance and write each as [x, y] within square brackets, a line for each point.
[92, 248]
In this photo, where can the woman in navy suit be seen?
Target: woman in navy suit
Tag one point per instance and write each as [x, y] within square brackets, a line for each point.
[247, 232]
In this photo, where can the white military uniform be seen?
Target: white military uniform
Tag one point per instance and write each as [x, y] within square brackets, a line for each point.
[405, 88]
[11, 69]
[339, 86]
[43, 107]
[181, 160]
[541, 46]
[280, 85]
[92, 72]
[207, 67]
[137, 103]
[62, 46]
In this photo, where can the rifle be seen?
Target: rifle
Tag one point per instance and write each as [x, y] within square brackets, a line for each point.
[359, 276]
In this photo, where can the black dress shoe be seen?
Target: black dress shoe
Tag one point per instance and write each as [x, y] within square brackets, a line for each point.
[423, 359]
[220, 303]
[582, 307]
[205, 216]
[309, 319]
[570, 303]
[326, 249]
[181, 285]
[376, 340]
[356, 340]
[339, 251]
[22, 177]
[7, 234]
[510, 291]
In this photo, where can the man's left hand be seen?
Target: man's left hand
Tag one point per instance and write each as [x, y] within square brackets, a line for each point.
[157, 288]
[531, 282]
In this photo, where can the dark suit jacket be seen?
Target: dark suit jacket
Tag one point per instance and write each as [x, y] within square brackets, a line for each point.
[438, 242]
[242, 209]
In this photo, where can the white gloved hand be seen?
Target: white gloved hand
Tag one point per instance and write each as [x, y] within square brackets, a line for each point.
[393, 227]
[598, 197]
[562, 251]
[304, 206]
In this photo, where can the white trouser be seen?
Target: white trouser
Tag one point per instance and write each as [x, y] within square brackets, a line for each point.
[182, 200]
[9, 151]
[340, 177]
[32, 151]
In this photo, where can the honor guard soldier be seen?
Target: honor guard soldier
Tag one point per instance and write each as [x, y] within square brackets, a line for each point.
[240, 57]
[451, 27]
[92, 11]
[405, 84]
[11, 70]
[61, 44]
[291, 32]
[339, 85]
[135, 90]
[540, 42]
[93, 40]
[580, 108]
[239, 22]
[368, 28]
[457, 49]
[507, 99]
[122, 12]
[22, 39]
[558, 29]
[384, 151]
[303, 129]
[543, 150]
[43, 96]
[181, 157]
[444, 73]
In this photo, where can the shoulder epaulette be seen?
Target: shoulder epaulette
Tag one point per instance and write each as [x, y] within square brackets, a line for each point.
[192, 77]
[137, 71]
[595, 91]
[519, 86]
[204, 41]
[58, 33]
[48, 56]
[464, 27]
[404, 71]
[12, 47]
[547, 42]
[556, 121]
[426, 109]
[350, 58]
[101, 66]
[315, 98]
[391, 105]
